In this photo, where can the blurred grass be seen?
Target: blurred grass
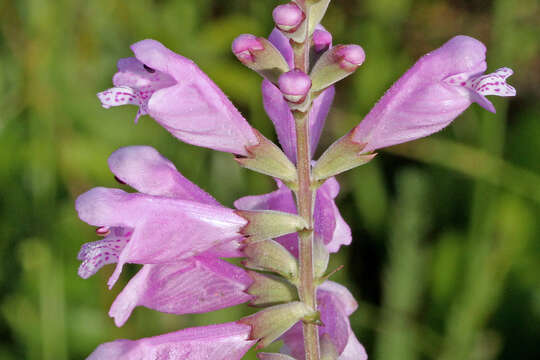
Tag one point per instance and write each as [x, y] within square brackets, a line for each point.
[445, 259]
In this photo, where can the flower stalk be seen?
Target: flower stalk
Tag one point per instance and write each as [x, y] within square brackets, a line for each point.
[305, 198]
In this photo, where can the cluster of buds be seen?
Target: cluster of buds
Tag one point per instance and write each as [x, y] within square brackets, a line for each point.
[181, 234]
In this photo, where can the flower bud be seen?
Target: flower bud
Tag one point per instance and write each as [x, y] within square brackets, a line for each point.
[245, 46]
[271, 256]
[260, 55]
[322, 40]
[288, 17]
[294, 85]
[270, 323]
[270, 290]
[268, 224]
[336, 64]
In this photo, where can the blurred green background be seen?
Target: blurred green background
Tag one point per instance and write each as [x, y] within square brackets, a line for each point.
[445, 261]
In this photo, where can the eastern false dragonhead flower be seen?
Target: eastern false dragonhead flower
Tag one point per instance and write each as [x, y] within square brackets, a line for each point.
[180, 234]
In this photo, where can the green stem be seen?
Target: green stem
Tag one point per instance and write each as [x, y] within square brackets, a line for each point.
[305, 200]
[305, 197]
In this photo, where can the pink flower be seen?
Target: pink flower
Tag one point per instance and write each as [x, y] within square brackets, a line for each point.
[439, 87]
[335, 304]
[229, 341]
[171, 219]
[178, 95]
[328, 222]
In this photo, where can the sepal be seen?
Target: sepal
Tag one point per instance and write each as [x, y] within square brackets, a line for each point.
[343, 155]
[269, 324]
[274, 356]
[321, 256]
[267, 224]
[270, 290]
[317, 10]
[267, 158]
[271, 256]
[336, 64]
[328, 349]
[260, 55]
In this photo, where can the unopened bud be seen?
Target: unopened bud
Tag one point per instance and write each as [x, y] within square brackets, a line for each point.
[271, 256]
[322, 40]
[336, 64]
[245, 46]
[270, 323]
[288, 17]
[294, 85]
[260, 55]
[270, 290]
[349, 57]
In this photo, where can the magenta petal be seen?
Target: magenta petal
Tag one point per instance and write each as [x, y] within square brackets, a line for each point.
[328, 220]
[229, 341]
[96, 254]
[196, 285]
[353, 350]
[420, 102]
[281, 42]
[319, 113]
[341, 294]
[279, 112]
[144, 169]
[194, 110]
[165, 229]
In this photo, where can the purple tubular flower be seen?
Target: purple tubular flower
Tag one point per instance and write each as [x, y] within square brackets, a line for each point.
[335, 304]
[178, 95]
[430, 95]
[144, 227]
[328, 221]
[229, 341]
[197, 285]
